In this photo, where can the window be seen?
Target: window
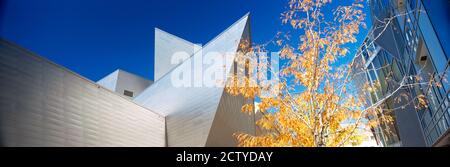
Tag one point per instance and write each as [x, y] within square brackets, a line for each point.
[438, 15]
[396, 72]
[128, 93]
[372, 74]
[412, 4]
[445, 79]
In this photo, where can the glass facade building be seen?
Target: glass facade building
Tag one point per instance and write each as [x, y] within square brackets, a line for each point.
[408, 45]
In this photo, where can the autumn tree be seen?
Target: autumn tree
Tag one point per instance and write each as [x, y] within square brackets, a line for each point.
[314, 103]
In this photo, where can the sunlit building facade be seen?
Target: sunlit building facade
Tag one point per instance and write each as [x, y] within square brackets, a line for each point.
[408, 47]
[45, 104]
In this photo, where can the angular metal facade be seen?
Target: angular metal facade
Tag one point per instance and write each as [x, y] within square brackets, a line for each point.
[167, 45]
[43, 104]
[121, 81]
[190, 111]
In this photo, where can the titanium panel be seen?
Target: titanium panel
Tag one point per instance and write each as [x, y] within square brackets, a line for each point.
[190, 111]
[120, 80]
[230, 120]
[43, 104]
[165, 46]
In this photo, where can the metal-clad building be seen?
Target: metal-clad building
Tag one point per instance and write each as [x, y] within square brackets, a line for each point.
[192, 111]
[44, 104]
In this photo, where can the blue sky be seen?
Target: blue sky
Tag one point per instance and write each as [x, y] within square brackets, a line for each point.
[95, 37]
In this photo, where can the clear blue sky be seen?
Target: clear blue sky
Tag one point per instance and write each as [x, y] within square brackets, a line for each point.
[95, 37]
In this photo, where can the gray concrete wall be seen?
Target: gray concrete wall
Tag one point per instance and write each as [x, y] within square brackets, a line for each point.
[43, 104]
